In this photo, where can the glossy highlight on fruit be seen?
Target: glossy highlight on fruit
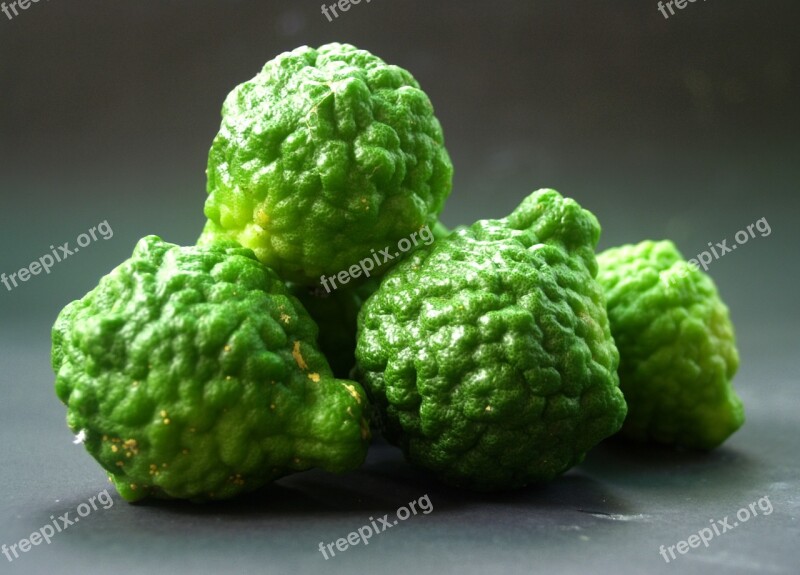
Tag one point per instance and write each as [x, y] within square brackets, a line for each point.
[488, 355]
[323, 156]
[192, 373]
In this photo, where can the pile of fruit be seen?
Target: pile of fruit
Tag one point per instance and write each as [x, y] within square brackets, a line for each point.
[495, 355]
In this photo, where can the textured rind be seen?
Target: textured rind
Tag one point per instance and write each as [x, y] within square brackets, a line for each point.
[677, 347]
[336, 315]
[335, 311]
[488, 354]
[323, 156]
[194, 374]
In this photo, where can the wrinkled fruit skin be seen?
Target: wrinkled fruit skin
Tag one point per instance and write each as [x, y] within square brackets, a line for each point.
[335, 311]
[323, 156]
[193, 374]
[488, 354]
[677, 347]
[336, 315]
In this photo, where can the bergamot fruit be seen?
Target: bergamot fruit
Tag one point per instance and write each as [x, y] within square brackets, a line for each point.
[323, 156]
[488, 354]
[336, 314]
[192, 373]
[335, 311]
[677, 346]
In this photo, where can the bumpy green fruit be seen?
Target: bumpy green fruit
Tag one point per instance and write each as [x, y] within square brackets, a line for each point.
[488, 353]
[677, 346]
[336, 314]
[192, 373]
[323, 156]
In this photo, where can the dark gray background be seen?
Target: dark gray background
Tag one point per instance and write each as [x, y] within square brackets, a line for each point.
[684, 128]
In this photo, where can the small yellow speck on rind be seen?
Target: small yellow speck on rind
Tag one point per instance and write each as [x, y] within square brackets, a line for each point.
[351, 389]
[262, 218]
[131, 446]
[314, 377]
[298, 357]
